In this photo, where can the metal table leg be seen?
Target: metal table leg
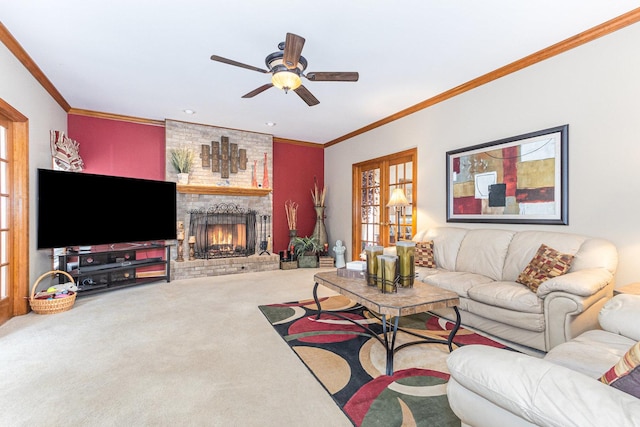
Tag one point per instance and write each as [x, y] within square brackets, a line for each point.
[390, 331]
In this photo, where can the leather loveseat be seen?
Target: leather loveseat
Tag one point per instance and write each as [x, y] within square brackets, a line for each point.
[497, 387]
[482, 266]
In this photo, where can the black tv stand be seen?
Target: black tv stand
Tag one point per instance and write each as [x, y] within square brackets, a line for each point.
[109, 267]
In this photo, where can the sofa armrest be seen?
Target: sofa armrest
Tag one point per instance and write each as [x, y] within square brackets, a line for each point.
[539, 391]
[620, 316]
[583, 282]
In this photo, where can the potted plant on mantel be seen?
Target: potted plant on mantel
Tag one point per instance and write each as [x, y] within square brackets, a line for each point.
[182, 160]
[307, 249]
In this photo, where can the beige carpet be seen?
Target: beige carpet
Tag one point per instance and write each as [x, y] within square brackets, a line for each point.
[192, 352]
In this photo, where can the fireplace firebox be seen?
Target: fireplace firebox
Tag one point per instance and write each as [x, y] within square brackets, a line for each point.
[222, 231]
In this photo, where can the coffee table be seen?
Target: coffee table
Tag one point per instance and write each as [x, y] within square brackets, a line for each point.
[389, 307]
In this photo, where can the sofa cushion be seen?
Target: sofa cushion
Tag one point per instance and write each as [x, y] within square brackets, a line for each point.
[424, 254]
[625, 375]
[525, 244]
[591, 353]
[483, 252]
[509, 295]
[423, 272]
[457, 281]
[620, 316]
[418, 237]
[446, 244]
[545, 264]
[511, 319]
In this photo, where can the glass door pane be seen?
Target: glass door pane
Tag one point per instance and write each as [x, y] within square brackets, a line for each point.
[369, 207]
[4, 214]
[401, 217]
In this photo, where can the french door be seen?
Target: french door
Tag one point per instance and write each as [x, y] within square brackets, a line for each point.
[374, 181]
[14, 214]
[5, 291]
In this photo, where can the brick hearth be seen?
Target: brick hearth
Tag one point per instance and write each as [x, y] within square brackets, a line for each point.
[221, 266]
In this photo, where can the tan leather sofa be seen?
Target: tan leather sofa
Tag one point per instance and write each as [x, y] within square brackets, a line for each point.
[482, 265]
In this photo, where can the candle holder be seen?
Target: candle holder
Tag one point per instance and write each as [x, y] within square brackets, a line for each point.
[406, 251]
[372, 253]
[180, 257]
[192, 250]
[388, 279]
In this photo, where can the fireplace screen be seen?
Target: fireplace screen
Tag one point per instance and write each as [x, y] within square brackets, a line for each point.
[223, 231]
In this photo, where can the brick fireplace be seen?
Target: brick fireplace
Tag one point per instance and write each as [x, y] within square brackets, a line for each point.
[215, 188]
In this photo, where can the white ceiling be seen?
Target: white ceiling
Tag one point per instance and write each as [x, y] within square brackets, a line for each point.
[151, 58]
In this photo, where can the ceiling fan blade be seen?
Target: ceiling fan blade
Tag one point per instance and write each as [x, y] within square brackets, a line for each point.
[236, 63]
[336, 76]
[258, 90]
[306, 96]
[292, 50]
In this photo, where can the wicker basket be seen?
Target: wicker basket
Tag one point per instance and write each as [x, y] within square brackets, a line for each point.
[52, 306]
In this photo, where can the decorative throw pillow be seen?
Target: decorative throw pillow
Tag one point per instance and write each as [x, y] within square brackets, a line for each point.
[546, 263]
[625, 375]
[424, 254]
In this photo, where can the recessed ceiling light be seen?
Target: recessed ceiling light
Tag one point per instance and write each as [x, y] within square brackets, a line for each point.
[187, 111]
[270, 124]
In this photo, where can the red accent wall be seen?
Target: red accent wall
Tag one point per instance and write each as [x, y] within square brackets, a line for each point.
[117, 148]
[294, 167]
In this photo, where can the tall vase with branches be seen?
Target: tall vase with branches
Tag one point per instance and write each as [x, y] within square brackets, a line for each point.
[291, 208]
[319, 231]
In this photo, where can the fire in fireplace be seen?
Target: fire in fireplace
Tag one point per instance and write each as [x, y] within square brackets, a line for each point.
[222, 231]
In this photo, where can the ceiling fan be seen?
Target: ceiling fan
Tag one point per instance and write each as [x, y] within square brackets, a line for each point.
[286, 67]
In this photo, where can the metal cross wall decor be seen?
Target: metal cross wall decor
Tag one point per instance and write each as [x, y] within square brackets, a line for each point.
[223, 157]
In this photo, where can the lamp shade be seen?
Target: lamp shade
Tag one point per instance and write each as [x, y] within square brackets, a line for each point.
[286, 80]
[398, 199]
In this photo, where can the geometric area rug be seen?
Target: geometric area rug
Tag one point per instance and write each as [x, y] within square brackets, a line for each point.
[350, 364]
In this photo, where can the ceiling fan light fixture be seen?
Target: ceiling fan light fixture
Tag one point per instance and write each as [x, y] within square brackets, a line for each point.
[286, 80]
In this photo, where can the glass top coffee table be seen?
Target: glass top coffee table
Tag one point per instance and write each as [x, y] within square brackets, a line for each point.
[390, 307]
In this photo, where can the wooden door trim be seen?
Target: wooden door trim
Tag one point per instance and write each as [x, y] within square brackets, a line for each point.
[18, 131]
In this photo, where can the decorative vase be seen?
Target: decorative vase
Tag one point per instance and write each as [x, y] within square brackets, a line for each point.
[387, 273]
[372, 275]
[292, 240]
[405, 250]
[183, 178]
[319, 231]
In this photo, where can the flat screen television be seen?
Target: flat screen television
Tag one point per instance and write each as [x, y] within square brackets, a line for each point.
[82, 209]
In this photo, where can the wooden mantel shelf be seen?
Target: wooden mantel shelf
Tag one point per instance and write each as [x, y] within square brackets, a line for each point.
[220, 190]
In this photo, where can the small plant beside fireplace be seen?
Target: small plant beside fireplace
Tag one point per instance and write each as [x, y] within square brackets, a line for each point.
[307, 249]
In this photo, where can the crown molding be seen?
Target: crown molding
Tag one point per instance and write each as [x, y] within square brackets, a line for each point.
[111, 116]
[296, 142]
[14, 47]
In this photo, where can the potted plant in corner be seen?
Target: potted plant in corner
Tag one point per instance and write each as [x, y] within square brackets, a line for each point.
[182, 160]
[307, 249]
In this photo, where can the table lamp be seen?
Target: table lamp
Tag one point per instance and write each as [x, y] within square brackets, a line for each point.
[398, 201]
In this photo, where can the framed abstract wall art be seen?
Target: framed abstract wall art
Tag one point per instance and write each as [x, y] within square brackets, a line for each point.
[517, 180]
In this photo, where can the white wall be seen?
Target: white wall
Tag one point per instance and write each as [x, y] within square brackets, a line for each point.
[19, 89]
[594, 88]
